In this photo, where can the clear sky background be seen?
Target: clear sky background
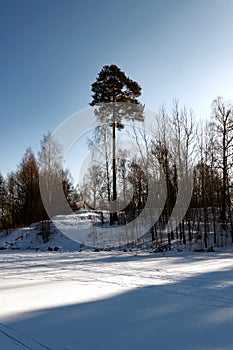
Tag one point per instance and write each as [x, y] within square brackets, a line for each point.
[52, 50]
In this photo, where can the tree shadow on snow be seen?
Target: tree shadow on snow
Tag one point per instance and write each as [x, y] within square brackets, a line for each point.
[188, 315]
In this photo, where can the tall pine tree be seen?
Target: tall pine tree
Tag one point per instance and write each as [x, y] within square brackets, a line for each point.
[112, 87]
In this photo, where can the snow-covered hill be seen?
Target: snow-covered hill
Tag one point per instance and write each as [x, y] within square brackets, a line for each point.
[31, 237]
[87, 229]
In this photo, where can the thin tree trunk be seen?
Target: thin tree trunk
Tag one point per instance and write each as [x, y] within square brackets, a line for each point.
[107, 166]
[114, 216]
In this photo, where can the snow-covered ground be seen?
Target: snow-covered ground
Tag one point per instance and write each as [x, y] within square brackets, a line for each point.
[113, 300]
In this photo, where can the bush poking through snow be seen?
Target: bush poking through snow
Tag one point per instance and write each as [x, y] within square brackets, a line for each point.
[45, 230]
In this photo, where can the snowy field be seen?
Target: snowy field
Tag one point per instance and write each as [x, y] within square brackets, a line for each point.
[113, 300]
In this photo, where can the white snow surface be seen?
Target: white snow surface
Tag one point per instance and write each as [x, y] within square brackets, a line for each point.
[114, 300]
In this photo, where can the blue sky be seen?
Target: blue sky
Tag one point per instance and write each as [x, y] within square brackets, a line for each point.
[52, 50]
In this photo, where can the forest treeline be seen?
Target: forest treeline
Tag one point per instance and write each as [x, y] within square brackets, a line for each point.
[208, 145]
[179, 145]
[20, 199]
[187, 161]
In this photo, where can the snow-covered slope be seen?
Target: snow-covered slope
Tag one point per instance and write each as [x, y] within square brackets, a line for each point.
[90, 228]
[31, 238]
